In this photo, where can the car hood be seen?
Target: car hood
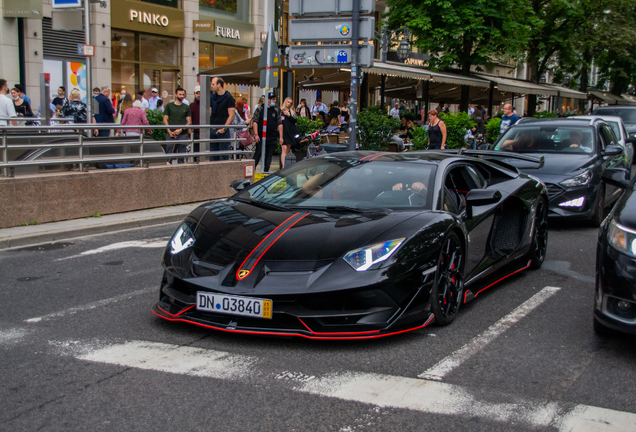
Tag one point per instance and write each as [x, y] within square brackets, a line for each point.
[555, 164]
[229, 231]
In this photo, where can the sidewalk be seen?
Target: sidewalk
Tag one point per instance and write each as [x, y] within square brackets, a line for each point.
[56, 231]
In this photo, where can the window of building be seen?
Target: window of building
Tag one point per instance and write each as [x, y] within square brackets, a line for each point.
[225, 55]
[170, 3]
[224, 5]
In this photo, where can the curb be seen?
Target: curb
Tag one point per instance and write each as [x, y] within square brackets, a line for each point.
[65, 234]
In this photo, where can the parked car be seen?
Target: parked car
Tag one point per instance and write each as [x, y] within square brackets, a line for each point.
[627, 113]
[353, 245]
[624, 139]
[577, 152]
[615, 293]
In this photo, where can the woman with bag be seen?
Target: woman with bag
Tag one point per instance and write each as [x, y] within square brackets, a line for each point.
[239, 119]
[290, 131]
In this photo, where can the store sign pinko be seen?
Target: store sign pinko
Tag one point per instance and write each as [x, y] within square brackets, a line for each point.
[146, 17]
[149, 18]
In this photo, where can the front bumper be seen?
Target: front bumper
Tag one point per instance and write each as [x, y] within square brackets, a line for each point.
[558, 194]
[615, 281]
[362, 313]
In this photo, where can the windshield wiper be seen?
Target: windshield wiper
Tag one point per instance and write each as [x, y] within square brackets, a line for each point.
[260, 204]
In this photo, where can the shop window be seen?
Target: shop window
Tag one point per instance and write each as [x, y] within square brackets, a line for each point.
[123, 45]
[205, 56]
[224, 55]
[224, 5]
[169, 3]
[159, 49]
[124, 75]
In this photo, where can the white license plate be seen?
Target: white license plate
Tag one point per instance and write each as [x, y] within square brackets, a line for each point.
[234, 305]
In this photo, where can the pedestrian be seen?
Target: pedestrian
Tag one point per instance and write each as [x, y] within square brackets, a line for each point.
[160, 105]
[152, 100]
[289, 129]
[195, 109]
[403, 107]
[440, 107]
[185, 99]
[75, 108]
[105, 114]
[436, 131]
[246, 110]
[334, 111]
[344, 117]
[239, 119]
[7, 110]
[395, 111]
[144, 101]
[61, 96]
[126, 102]
[471, 111]
[134, 116]
[478, 118]
[23, 96]
[303, 110]
[122, 94]
[177, 113]
[319, 107]
[509, 119]
[274, 132]
[22, 107]
[222, 111]
[334, 126]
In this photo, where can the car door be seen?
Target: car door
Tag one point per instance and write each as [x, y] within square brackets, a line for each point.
[460, 179]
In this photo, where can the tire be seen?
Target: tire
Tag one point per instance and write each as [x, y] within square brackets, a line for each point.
[602, 330]
[540, 235]
[448, 288]
[599, 207]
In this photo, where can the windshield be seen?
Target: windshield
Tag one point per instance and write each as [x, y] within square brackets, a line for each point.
[547, 139]
[628, 115]
[325, 183]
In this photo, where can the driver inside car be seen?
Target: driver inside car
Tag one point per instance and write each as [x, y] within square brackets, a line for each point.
[417, 187]
[577, 141]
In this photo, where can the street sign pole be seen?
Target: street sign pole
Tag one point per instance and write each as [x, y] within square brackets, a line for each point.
[270, 52]
[89, 62]
[353, 106]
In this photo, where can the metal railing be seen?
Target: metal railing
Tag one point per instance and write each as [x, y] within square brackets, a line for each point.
[77, 131]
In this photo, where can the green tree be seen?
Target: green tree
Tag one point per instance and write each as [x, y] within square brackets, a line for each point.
[462, 33]
[375, 129]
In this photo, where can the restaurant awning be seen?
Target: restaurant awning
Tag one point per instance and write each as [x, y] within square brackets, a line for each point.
[517, 86]
[606, 97]
[567, 92]
[398, 70]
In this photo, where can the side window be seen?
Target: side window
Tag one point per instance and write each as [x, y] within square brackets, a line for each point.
[478, 178]
[451, 201]
[459, 181]
[602, 141]
[610, 138]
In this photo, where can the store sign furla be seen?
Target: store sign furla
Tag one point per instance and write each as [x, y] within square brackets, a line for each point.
[227, 32]
[149, 18]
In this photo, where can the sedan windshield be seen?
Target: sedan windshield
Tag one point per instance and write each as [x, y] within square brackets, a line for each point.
[336, 184]
[627, 114]
[547, 139]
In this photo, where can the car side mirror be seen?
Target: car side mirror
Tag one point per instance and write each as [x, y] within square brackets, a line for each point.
[630, 139]
[239, 184]
[480, 197]
[612, 150]
[618, 177]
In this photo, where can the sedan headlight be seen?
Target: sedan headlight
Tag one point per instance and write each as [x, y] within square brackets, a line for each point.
[622, 239]
[580, 180]
[363, 258]
[181, 240]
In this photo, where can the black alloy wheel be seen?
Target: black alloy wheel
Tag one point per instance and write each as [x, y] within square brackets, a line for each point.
[448, 288]
[540, 235]
[599, 207]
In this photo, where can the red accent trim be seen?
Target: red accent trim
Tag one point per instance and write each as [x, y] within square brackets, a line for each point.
[499, 280]
[373, 154]
[375, 157]
[295, 334]
[241, 266]
[176, 315]
[345, 333]
[272, 244]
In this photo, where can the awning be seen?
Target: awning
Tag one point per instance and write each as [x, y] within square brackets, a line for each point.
[606, 97]
[517, 86]
[629, 99]
[401, 71]
[244, 72]
[568, 93]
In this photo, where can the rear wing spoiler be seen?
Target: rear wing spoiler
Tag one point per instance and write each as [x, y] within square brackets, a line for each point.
[495, 155]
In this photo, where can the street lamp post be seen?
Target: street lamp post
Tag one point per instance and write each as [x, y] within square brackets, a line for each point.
[403, 51]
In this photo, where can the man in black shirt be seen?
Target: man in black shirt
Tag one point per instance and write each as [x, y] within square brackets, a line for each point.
[222, 107]
[274, 132]
[334, 111]
[61, 97]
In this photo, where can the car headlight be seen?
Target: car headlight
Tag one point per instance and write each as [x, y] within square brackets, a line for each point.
[181, 240]
[363, 258]
[622, 239]
[580, 180]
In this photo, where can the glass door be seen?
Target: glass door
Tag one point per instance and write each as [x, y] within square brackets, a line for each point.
[168, 84]
[152, 78]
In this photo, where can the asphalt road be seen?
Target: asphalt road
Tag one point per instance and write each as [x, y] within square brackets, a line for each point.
[80, 350]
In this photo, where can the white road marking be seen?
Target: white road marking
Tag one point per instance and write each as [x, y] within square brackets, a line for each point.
[384, 391]
[447, 365]
[152, 243]
[92, 305]
[12, 335]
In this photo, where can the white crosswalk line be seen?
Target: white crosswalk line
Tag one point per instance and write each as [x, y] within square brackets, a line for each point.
[144, 244]
[379, 390]
[447, 365]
